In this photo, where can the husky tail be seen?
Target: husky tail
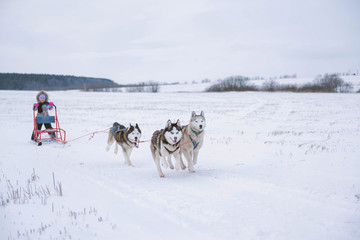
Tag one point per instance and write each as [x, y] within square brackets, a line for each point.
[154, 143]
[153, 150]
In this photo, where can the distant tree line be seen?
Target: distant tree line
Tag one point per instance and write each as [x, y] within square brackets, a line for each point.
[233, 83]
[22, 81]
[330, 83]
[150, 86]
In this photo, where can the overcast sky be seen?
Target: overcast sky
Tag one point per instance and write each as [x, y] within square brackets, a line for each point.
[167, 41]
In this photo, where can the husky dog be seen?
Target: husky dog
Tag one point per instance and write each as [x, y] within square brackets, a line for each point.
[164, 143]
[193, 139]
[127, 138]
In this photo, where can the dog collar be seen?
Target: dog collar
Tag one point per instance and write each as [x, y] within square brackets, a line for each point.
[195, 132]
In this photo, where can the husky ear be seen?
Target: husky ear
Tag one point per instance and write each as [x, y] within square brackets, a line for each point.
[178, 122]
[168, 123]
[202, 114]
[137, 126]
[193, 114]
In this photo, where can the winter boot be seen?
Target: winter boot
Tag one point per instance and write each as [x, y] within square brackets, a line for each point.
[52, 135]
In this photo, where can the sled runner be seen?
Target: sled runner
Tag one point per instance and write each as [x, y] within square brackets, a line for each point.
[55, 133]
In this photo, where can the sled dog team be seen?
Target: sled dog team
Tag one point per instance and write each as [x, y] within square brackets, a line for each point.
[174, 140]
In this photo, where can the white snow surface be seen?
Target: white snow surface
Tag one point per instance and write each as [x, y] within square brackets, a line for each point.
[273, 166]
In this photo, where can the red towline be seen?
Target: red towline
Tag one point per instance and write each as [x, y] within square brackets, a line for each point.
[92, 134]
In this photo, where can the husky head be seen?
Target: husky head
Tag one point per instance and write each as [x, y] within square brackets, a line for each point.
[173, 132]
[198, 122]
[134, 133]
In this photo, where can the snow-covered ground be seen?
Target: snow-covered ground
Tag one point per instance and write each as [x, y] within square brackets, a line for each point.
[273, 166]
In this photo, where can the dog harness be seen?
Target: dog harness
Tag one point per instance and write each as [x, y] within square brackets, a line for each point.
[193, 142]
[171, 152]
[118, 130]
[195, 132]
[121, 130]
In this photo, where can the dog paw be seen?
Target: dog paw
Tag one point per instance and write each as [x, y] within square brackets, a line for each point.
[183, 167]
[172, 167]
[177, 166]
[129, 164]
[162, 175]
[164, 164]
[191, 170]
[107, 149]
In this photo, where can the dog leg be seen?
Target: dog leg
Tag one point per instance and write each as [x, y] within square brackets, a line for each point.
[156, 158]
[195, 156]
[189, 160]
[126, 154]
[157, 162]
[170, 163]
[177, 160]
[110, 141]
[116, 148]
[163, 162]
[181, 162]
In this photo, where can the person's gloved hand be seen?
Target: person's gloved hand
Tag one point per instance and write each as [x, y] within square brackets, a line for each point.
[36, 104]
[51, 104]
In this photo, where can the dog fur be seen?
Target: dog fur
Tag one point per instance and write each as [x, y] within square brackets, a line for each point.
[164, 144]
[126, 138]
[194, 132]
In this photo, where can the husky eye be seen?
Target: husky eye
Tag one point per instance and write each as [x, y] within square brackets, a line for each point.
[172, 133]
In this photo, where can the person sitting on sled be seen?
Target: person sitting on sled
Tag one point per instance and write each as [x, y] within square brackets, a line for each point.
[42, 107]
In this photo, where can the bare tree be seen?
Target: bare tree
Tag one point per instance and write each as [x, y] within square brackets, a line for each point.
[270, 86]
[330, 83]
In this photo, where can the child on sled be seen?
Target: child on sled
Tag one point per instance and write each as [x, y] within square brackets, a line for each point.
[42, 107]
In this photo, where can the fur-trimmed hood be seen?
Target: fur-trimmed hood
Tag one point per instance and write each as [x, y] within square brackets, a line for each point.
[46, 96]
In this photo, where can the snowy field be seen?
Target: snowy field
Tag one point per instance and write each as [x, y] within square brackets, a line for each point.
[273, 166]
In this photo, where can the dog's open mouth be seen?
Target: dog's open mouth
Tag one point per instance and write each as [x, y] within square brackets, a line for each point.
[136, 143]
[174, 140]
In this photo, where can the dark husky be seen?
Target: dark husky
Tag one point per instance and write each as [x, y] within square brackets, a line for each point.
[164, 143]
[127, 138]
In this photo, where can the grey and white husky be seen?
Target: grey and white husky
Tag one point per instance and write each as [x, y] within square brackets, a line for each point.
[164, 143]
[193, 139]
[126, 137]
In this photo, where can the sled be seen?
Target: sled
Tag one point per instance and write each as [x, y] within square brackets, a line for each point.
[40, 136]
